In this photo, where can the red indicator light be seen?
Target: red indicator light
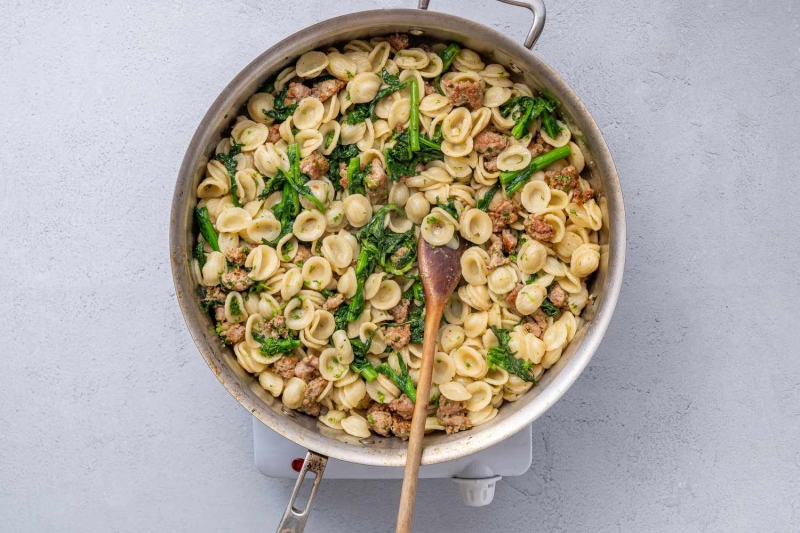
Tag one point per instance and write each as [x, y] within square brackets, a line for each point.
[297, 464]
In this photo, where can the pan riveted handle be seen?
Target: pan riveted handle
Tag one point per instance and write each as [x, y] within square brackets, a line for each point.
[294, 519]
[536, 7]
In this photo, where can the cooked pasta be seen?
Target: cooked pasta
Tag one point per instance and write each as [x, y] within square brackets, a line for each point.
[311, 208]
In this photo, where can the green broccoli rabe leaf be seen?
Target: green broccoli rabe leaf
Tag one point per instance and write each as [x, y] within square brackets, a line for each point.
[402, 162]
[550, 125]
[503, 357]
[329, 138]
[548, 308]
[230, 163]
[198, 253]
[342, 153]
[531, 279]
[403, 381]
[275, 345]
[525, 109]
[358, 114]
[361, 364]
[355, 176]
[416, 319]
[449, 207]
[447, 55]
[483, 203]
[281, 110]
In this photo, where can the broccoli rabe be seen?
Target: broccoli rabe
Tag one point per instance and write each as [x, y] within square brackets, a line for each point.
[503, 357]
[275, 345]
[292, 184]
[360, 364]
[230, 163]
[207, 228]
[525, 109]
[483, 202]
[281, 110]
[402, 161]
[514, 180]
[403, 381]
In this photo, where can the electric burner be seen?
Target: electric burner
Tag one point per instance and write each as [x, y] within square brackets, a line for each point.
[474, 476]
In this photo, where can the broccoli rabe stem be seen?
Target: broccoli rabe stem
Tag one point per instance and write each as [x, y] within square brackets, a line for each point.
[413, 121]
[515, 180]
[447, 55]
[207, 228]
[518, 131]
[403, 381]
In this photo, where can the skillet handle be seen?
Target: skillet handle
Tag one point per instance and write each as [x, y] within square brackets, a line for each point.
[536, 7]
[294, 519]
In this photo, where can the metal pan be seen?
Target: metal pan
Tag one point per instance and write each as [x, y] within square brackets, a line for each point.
[323, 442]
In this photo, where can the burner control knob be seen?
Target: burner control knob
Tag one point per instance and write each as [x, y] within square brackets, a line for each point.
[477, 492]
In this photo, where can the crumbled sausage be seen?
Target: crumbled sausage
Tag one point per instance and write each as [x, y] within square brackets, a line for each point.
[558, 296]
[311, 396]
[401, 428]
[456, 423]
[490, 143]
[274, 134]
[213, 295]
[343, 175]
[219, 313]
[314, 166]
[419, 167]
[237, 255]
[308, 368]
[449, 408]
[398, 336]
[375, 181]
[565, 179]
[495, 251]
[236, 279]
[285, 366]
[503, 215]
[535, 323]
[490, 165]
[539, 146]
[379, 419]
[403, 406]
[325, 89]
[509, 241]
[296, 92]
[365, 403]
[400, 311]
[464, 93]
[581, 197]
[232, 333]
[333, 302]
[276, 326]
[303, 253]
[398, 41]
[537, 228]
[430, 89]
[511, 299]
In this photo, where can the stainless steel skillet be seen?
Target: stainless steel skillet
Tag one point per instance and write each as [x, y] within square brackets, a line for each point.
[323, 442]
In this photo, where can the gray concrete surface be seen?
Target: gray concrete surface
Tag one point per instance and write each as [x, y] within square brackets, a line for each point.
[688, 418]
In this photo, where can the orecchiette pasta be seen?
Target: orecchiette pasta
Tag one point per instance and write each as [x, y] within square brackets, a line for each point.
[311, 208]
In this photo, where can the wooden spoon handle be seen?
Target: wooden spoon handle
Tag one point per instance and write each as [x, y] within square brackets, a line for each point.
[405, 514]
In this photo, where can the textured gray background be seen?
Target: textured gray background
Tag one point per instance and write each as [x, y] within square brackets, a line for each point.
[687, 419]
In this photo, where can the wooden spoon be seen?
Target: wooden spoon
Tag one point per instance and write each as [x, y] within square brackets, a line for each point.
[440, 270]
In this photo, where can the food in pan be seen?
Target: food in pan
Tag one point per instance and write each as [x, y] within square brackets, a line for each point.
[309, 214]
